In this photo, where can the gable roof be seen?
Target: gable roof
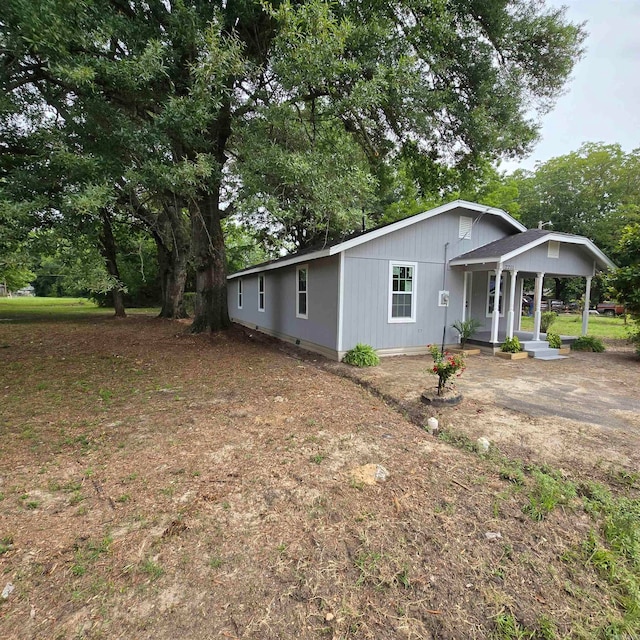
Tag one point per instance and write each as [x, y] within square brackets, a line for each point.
[338, 246]
[511, 246]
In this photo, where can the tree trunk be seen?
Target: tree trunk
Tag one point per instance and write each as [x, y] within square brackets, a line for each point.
[173, 242]
[173, 275]
[208, 248]
[108, 251]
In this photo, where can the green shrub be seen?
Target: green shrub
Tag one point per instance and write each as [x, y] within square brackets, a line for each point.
[511, 345]
[554, 340]
[588, 343]
[362, 355]
[546, 320]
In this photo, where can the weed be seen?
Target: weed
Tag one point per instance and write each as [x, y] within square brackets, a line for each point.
[215, 562]
[32, 504]
[124, 498]
[546, 494]
[76, 498]
[508, 628]
[403, 578]
[458, 440]
[105, 395]
[367, 563]
[6, 544]
[151, 568]
[512, 473]
[318, 458]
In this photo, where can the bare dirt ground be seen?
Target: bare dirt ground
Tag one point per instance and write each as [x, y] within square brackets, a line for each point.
[158, 485]
[580, 413]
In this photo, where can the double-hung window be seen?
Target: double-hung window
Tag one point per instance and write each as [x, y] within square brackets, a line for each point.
[240, 285]
[402, 291]
[261, 292]
[302, 291]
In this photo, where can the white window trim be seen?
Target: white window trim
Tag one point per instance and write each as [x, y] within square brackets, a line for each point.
[304, 316]
[261, 278]
[501, 295]
[399, 263]
[240, 292]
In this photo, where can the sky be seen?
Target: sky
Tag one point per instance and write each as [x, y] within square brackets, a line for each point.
[602, 99]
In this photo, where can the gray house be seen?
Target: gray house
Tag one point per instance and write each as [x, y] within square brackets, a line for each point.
[400, 287]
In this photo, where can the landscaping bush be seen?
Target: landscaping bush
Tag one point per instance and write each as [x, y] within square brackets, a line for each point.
[554, 340]
[362, 355]
[466, 328]
[511, 345]
[546, 320]
[445, 366]
[588, 343]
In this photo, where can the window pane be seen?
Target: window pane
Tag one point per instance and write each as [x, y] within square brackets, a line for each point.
[302, 303]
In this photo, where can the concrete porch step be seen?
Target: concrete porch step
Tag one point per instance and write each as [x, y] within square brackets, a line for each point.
[533, 345]
[550, 357]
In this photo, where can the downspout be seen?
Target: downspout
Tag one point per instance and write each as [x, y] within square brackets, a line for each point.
[444, 288]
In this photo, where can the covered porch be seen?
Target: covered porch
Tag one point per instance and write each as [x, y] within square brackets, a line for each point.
[494, 278]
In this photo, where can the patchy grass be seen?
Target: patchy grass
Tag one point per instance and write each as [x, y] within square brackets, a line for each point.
[214, 476]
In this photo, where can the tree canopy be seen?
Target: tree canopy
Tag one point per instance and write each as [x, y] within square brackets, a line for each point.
[169, 113]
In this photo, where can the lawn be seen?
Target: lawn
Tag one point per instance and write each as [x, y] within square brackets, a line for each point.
[570, 324]
[33, 308]
[157, 484]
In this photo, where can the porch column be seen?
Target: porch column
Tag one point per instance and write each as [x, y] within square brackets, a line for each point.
[537, 306]
[496, 304]
[585, 311]
[512, 296]
[465, 293]
[520, 298]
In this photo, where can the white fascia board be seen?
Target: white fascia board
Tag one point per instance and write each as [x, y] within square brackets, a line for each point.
[459, 262]
[562, 239]
[557, 237]
[281, 263]
[407, 222]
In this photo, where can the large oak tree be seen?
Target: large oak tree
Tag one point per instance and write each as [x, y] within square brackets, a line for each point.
[162, 90]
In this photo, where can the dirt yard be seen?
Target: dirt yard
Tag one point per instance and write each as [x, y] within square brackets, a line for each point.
[580, 413]
[154, 484]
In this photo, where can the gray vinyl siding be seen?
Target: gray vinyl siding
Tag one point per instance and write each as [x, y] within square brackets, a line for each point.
[366, 282]
[425, 241]
[573, 260]
[279, 316]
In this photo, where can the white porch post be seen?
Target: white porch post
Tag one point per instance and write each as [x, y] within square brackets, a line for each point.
[520, 298]
[537, 306]
[585, 311]
[495, 319]
[512, 295]
[465, 293]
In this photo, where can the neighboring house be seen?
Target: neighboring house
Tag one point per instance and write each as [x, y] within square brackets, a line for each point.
[400, 287]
